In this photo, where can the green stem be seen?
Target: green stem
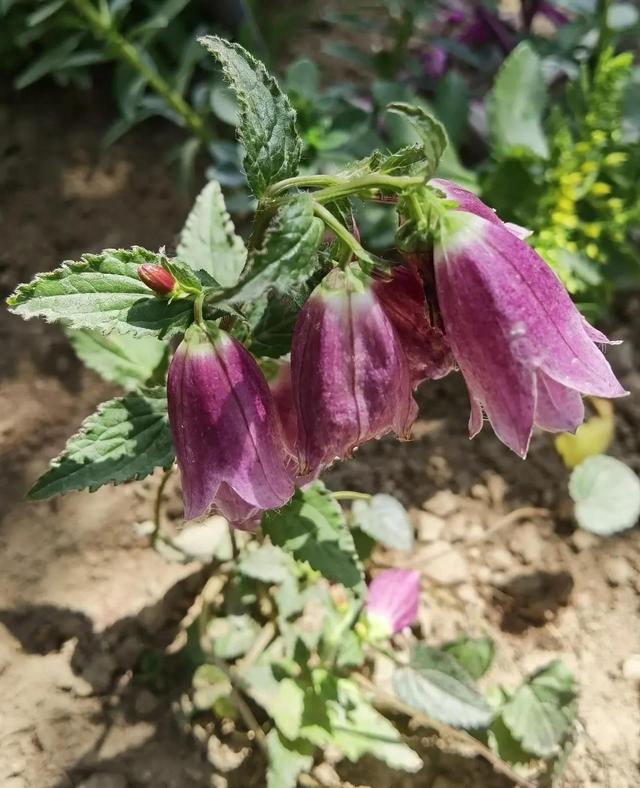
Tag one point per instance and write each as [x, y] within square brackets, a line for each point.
[104, 30]
[350, 495]
[301, 181]
[157, 509]
[340, 231]
[367, 183]
[197, 309]
[604, 31]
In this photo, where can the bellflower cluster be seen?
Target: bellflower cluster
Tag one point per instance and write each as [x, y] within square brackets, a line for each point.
[477, 298]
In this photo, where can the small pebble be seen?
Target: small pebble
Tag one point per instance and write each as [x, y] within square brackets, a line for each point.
[429, 526]
[583, 540]
[526, 542]
[498, 558]
[443, 503]
[617, 570]
[631, 667]
[444, 564]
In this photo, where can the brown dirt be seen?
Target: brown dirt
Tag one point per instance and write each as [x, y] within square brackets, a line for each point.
[83, 599]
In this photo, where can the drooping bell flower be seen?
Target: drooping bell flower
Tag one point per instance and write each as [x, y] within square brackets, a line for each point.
[349, 372]
[226, 431]
[403, 299]
[392, 601]
[526, 353]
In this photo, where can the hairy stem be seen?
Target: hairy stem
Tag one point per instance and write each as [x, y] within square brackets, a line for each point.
[340, 231]
[103, 29]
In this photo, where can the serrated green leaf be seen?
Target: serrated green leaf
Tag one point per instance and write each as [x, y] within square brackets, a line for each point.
[125, 439]
[312, 528]
[385, 519]
[102, 292]
[287, 257]
[435, 684]
[607, 495]
[119, 358]
[268, 564]
[358, 729]
[208, 241]
[185, 276]
[475, 655]
[541, 711]
[516, 104]
[267, 131]
[287, 760]
[431, 132]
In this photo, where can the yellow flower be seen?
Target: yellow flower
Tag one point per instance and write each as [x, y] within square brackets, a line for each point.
[565, 219]
[599, 137]
[588, 167]
[600, 189]
[592, 250]
[592, 230]
[615, 159]
[615, 204]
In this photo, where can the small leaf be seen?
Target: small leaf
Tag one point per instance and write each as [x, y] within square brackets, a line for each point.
[268, 564]
[267, 131]
[208, 241]
[541, 711]
[431, 133]
[288, 708]
[232, 636]
[287, 760]
[358, 729]
[102, 292]
[287, 256]
[435, 684]
[119, 358]
[607, 495]
[516, 104]
[312, 528]
[385, 519]
[475, 655]
[125, 439]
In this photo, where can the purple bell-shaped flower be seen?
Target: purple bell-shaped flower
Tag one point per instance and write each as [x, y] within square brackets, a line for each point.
[226, 431]
[526, 353]
[350, 375]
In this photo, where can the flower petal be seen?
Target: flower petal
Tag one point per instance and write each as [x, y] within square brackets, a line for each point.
[558, 408]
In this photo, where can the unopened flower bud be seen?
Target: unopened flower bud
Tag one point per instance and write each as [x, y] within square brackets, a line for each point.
[157, 278]
[392, 601]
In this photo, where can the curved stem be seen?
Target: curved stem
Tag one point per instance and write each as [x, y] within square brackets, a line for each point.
[157, 508]
[366, 183]
[301, 181]
[103, 29]
[350, 495]
[197, 309]
[341, 232]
